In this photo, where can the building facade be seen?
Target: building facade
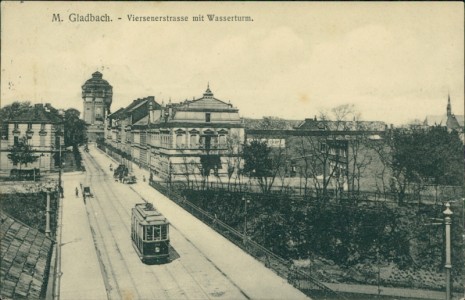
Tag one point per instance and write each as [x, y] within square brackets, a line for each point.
[198, 137]
[97, 96]
[329, 155]
[177, 140]
[42, 128]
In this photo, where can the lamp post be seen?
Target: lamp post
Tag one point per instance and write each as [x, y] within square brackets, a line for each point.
[60, 187]
[245, 219]
[463, 233]
[47, 214]
[448, 266]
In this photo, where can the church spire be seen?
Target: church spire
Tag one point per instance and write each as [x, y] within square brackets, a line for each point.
[449, 109]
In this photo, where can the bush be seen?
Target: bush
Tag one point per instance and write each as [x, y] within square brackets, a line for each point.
[30, 209]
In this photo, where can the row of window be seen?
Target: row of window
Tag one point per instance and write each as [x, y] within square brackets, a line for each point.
[42, 140]
[29, 126]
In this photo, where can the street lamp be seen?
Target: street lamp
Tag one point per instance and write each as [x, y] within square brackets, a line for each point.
[448, 266]
[61, 133]
[463, 232]
[47, 214]
[245, 219]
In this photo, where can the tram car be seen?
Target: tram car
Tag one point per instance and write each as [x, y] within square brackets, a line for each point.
[150, 233]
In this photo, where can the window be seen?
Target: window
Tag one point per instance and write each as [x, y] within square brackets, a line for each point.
[16, 126]
[29, 126]
[208, 142]
[179, 141]
[42, 141]
[194, 141]
[156, 233]
[149, 235]
[16, 140]
[164, 232]
[153, 232]
[207, 117]
[5, 131]
[98, 112]
[42, 127]
[222, 141]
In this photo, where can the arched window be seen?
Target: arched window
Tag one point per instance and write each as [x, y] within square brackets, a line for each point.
[222, 141]
[179, 140]
[194, 140]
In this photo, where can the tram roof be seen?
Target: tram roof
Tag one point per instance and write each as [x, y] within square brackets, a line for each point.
[148, 215]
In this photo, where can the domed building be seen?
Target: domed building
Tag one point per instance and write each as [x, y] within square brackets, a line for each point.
[97, 95]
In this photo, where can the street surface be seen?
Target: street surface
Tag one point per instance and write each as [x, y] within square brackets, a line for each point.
[99, 261]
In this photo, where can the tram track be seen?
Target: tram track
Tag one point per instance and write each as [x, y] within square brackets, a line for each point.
[178, 290]
[191, 280]
[114, 196]
[184, 269]
[110, 282]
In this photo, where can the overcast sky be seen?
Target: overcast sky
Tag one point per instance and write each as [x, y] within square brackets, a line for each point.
[394, 61]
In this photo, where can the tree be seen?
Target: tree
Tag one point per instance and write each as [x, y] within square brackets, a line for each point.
[233, 157]
[14, 109]
[330, 159]
[75, 128]
[422, 157]
[22, 153]
[207, 163]
[263, 163]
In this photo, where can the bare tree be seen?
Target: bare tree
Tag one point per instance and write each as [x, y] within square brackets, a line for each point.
[233, 157]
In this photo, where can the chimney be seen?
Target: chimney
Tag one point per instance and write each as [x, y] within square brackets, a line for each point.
[150, 108]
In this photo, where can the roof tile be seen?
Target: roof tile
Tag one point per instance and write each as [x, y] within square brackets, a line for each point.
[25, 252]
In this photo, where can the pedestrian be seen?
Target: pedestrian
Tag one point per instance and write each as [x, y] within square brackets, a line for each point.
[77, 192]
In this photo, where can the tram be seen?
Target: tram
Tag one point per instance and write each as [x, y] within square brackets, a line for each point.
[150, 233]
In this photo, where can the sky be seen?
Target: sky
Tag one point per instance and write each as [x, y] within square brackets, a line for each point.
[394, 61]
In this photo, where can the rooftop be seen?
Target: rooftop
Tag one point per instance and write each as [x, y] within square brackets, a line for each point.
[24, 255]
[37, 114]
[318, 125]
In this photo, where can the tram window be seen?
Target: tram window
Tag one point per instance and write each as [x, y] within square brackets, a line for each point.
[149, 233]
[164, 232]
[157, 232]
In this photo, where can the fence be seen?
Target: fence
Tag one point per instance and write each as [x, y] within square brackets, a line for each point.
[299, 279]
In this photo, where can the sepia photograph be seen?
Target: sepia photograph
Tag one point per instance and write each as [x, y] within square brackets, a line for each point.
[232, 150]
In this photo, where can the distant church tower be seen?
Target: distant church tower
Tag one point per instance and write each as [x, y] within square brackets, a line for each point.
[452, 123]
[449, 109]
[97, 95]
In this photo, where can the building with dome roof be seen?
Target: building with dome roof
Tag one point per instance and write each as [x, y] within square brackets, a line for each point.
[97, 95]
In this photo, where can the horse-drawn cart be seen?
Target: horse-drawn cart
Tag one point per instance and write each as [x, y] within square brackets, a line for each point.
[86, 192]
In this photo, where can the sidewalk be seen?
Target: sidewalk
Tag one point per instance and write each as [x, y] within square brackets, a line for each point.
[81, 276]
